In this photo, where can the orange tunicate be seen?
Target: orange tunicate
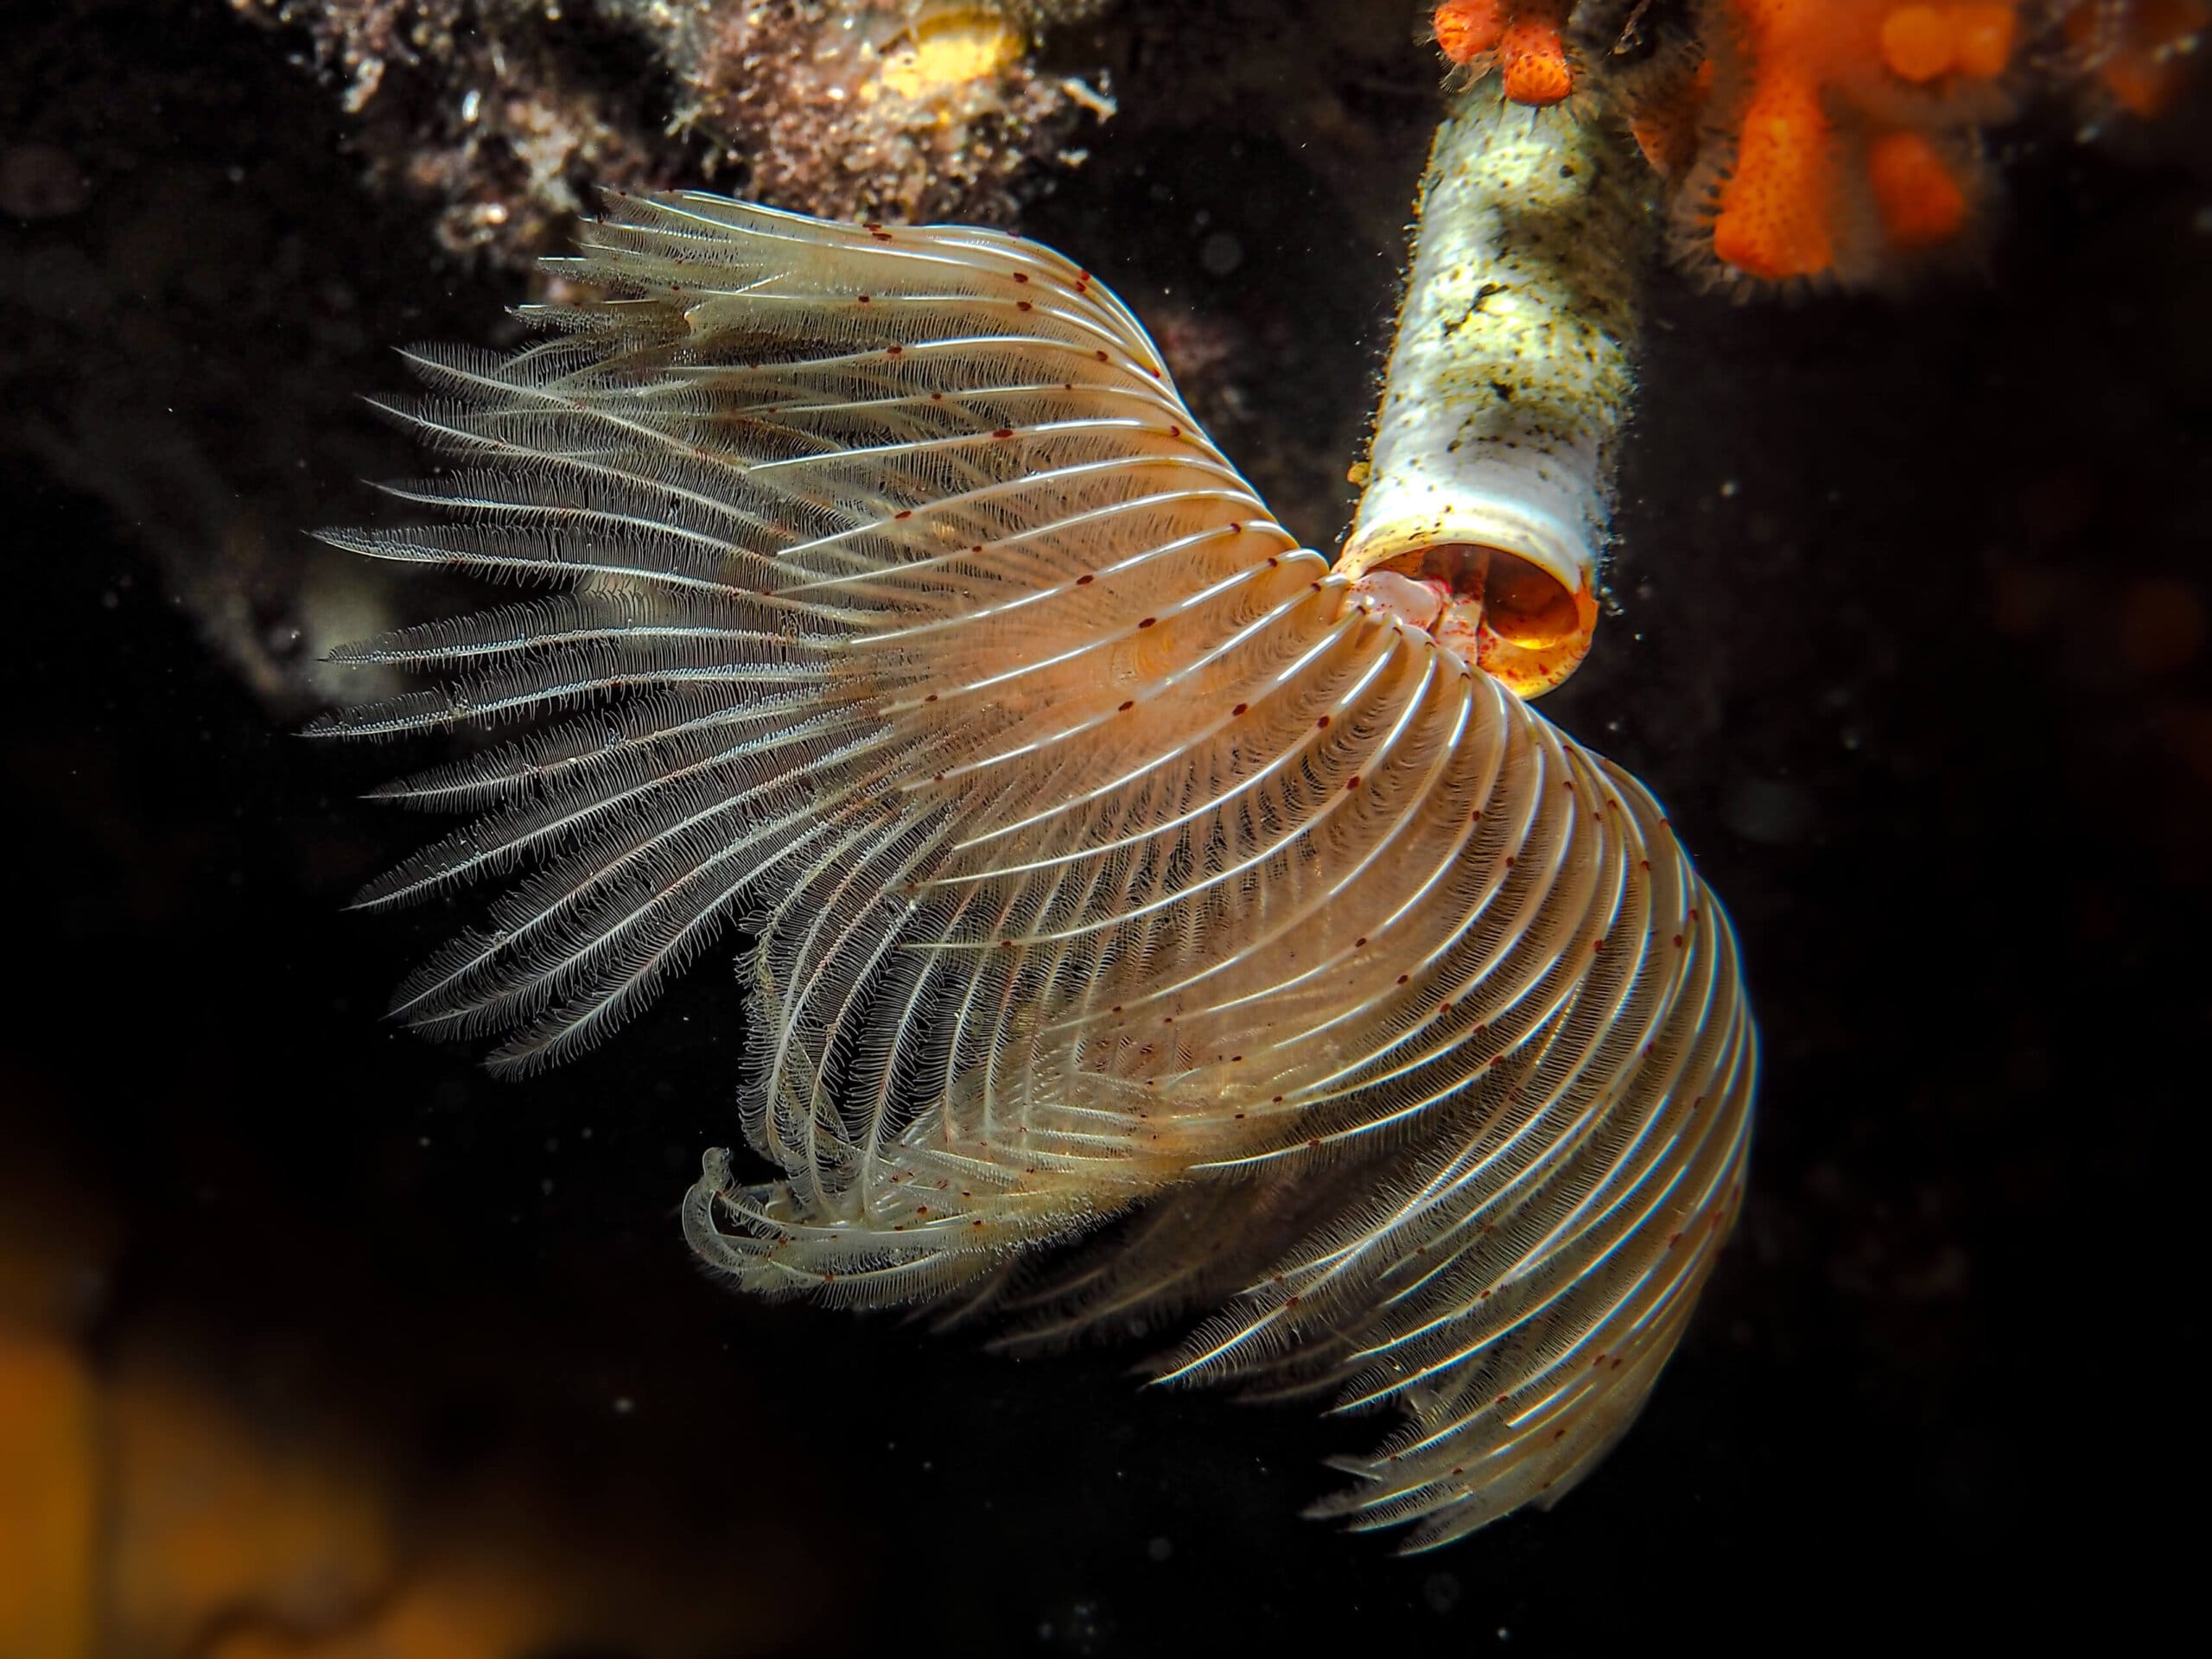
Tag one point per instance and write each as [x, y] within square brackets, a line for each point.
[1467, 28]
[1920, 202]
[1772, 223]
[1919, 42]
[1533, 59]
[1527, 36]
[1982, 37]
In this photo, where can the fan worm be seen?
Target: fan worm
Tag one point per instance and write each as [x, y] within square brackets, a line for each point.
[1120, 873]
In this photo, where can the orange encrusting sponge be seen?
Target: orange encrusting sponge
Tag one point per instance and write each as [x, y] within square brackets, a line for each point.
[1838, 138]
[1525, 38]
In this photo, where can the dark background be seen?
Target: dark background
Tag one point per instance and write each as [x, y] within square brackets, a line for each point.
[1910, 637]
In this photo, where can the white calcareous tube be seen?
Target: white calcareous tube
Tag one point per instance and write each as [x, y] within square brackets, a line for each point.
[1490, 480]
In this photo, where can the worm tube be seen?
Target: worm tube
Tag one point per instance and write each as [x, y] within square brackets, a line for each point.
[1491, 476]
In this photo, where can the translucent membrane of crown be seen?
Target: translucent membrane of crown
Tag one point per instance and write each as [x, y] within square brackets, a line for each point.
[1491, 476]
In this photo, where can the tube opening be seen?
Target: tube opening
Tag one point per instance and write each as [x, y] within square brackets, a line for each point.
[1532, 629]
[1522, 604]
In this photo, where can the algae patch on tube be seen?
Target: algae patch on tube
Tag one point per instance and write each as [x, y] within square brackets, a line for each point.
[1491, 476]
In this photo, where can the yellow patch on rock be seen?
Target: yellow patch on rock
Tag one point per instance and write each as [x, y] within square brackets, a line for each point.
[946, 53]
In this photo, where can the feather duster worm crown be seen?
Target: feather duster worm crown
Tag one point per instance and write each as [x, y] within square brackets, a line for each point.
[1117, 869]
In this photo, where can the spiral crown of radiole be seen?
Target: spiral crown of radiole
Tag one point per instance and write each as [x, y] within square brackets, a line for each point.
[1118, 871]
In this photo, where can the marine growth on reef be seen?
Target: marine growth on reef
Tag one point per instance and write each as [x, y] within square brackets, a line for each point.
[1841, 138]
[1524, 40]
[507, 113]
[1827, 142]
